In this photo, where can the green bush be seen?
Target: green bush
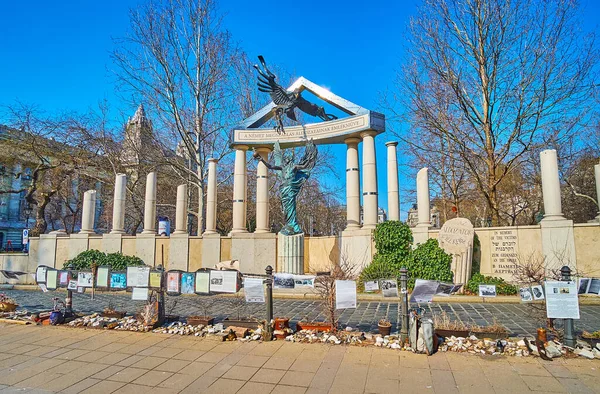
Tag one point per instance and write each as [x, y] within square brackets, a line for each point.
[428, 261]
[502, 287]
[116, 261]
[393, 237]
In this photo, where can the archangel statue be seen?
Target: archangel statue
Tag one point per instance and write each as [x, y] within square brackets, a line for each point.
[285, 101]
[292, 177]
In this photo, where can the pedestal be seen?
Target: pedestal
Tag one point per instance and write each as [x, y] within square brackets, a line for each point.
[290, 253]
[211, 250]
[558, 244]
[78, 243]
[145, 247]
[178, 251]
[112, 243]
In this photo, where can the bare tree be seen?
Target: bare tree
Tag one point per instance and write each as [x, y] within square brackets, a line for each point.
[179, 60]
[513, 75]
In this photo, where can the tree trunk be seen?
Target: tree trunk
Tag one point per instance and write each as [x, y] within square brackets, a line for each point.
[200, 208]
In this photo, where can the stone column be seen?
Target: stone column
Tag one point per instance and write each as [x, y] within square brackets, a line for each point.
[181, 210]
[150, 205]
[239, 190]
[118, 219]
[211, 198]
[352, 184]
[369, 173]
[597, 174]
[423, 198]
[550, 185]
[262, 193]
[88, 212]
[392, 182]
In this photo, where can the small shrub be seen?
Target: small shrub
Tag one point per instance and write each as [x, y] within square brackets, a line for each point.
[393, 237]
[116, 261]
[428, 261]
[502, 287]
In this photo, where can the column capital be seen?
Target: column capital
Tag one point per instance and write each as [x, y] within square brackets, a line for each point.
[241, 147]
[352, 141]
[368, 133]
[213, 160]
[263, 149]
[391, 143]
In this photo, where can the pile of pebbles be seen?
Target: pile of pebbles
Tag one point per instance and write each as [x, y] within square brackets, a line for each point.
[95, 320]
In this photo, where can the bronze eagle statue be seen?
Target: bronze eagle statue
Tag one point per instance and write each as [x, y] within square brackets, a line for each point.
[285, 101]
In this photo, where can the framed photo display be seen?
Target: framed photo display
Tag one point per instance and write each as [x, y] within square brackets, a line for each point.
[224, 281]
[138, 276]
[187, 283]
[103, 277]
[155, 279]
[51, 279]
[40, 274]
[118, 280]
[174, 282]
[140, 294]
[85, 279]
[63, 278]
[202, 282]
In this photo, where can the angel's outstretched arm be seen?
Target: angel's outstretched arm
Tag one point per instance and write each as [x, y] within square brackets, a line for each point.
[258, 157]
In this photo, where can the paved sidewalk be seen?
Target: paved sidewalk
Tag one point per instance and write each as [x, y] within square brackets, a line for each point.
[516, 317]
[69, 360]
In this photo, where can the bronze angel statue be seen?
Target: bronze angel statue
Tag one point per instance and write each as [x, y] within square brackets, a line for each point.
[285, 101]
[293, 176]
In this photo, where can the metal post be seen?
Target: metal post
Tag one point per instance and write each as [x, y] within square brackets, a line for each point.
[69, 299]
[269, 327]
[404, 292]
[568, 323]
[160, 297]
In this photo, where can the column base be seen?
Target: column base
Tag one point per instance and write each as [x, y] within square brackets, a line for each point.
[554, 217]
[558, 244]
[179, 247]
[180, 232]
[290, 253]
[122, 232]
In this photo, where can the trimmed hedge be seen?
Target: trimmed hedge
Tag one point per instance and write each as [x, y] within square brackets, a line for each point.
[116, 261]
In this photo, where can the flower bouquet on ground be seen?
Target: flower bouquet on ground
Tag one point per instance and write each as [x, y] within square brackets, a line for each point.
[7, 304]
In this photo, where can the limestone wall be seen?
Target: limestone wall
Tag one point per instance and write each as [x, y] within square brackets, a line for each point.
[16, 262]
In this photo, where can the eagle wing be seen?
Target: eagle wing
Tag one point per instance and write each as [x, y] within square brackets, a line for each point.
[310, 156]
[266, 83]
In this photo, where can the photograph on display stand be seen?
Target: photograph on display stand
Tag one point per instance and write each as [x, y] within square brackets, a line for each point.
[187, 283]
[487, 291]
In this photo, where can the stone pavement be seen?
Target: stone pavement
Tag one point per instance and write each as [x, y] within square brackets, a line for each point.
[36, 359]
[516, 317]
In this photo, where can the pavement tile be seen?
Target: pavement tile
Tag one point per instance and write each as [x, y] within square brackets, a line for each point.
[256, 388]
[132, 388]
[169, 352]
[225, 386]
[383, 386]
[196, 368]
[153, 378]
[127, 375]
[265, 375]
[305, 365]
[80, 386]
[472, 382]
[544, 383]
[189, 355]
[108, 372]
[240, 372]
[281, 389]
[200, 385]
[533, 370]
[129, 361]
[279, 363]
[212, 357]
[177, 381]
[438, 361]
[253, 361]
[92, 356]
[38, 380]
[297, 378]
[103, 387]
[149, 362]
[576, 386]
[112, 358]
[173, 365]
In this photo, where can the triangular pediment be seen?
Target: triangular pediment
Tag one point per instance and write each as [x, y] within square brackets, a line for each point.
[359, 119]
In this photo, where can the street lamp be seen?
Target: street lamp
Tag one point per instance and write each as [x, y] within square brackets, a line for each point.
[27, 211]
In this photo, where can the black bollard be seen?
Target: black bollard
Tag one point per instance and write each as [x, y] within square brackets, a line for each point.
[269, 327]
[404, 292]
[568, 323]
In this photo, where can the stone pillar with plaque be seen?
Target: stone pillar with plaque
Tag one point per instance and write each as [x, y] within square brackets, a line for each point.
[456, 238]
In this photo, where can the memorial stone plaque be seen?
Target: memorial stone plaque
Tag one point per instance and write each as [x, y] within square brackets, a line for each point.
[456, 235]
[504, 252]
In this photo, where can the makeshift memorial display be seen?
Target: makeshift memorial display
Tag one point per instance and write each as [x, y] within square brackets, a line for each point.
[384, 326]
[118, 280]
[561, 300]
[80, 290]
[283, 281]
[424, 290]
[224, 281]
[525, 293]
[304, 281]
[51, 279]
[493, 331]
[371, 285]
[173, 282]
[138, 276]
[202, 282]
[187, 283]
[40, 274]
[102, 276]
[156, 279]
[72, 285]
[389, 287]
[487, 290]
[589, 286]
[63, 278]
[85, 279]
[139, 294]
[253, 290]
[445, 327]
[345, 294]
[43, 287]
[538, 292]
[7, 304]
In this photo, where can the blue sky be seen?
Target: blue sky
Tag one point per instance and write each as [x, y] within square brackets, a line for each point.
[56, 54]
